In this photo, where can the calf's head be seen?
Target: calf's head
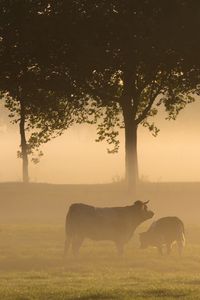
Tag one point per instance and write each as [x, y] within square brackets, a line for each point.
[144, 240]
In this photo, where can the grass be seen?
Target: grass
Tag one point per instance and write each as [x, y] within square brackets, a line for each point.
[32, 268]
[31, 246]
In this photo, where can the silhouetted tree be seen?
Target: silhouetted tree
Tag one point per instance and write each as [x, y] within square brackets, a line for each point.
[121, 55]
[17, 75]
[38, 90]
[137, 51]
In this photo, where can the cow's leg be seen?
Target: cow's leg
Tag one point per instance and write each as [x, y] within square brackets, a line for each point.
[180, 246]
[67, 245]
[120, 248]
[169, 248]
[160, 250]
[76, 244]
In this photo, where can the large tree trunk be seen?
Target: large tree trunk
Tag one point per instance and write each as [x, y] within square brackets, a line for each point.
[24, 146]
[131, 160]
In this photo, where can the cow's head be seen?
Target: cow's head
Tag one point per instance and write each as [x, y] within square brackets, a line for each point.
[142, 210]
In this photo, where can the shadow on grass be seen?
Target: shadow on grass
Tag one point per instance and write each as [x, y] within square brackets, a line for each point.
[96, 296]
[193, 282]
[99, 296]
[27, 264]
[162, 293]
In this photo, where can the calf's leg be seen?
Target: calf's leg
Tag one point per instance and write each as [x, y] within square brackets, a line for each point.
[180, 245]
[169, 248]
[120, 248]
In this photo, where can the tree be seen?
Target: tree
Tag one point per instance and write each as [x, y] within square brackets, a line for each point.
[120, 54]
[17, 67]
[142, 54]
[40, 98]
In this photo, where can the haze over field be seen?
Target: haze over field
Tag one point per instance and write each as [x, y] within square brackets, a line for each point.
[75, 157]
[82, 223]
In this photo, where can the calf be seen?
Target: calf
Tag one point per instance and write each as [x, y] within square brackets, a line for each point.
[164, 231]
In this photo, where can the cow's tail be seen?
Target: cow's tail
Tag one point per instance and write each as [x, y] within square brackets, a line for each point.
[182, 234]
[181, 239]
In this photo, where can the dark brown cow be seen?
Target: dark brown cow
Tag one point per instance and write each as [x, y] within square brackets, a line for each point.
[109, 223]
[164, 232]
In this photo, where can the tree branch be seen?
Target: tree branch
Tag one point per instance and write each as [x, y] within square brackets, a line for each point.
[148, 107]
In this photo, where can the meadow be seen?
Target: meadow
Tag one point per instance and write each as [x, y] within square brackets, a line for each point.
[32, 265]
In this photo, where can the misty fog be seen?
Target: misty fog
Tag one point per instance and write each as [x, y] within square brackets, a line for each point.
[82, 223]
[75, 157]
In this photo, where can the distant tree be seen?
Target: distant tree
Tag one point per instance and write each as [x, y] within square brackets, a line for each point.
[38, 94]
[38, 126]
[17, 75]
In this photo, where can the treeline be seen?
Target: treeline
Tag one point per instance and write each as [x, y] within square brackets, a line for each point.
[108, 62]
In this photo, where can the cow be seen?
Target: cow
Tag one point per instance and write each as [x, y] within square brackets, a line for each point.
[164, 231]
[116, 224]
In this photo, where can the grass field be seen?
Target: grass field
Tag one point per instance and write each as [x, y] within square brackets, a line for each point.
[32, 235]
[32, 267]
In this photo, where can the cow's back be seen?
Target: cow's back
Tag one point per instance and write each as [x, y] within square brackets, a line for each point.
[79, 215]
[171, 228]
[109, 223]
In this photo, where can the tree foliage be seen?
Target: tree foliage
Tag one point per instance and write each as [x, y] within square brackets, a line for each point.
[115, 61]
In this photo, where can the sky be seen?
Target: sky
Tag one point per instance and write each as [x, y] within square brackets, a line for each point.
[75, 157]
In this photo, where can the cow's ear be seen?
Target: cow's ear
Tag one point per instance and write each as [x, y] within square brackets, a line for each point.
[138, 203]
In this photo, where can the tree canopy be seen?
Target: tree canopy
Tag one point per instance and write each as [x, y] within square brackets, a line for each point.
[78, 61]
